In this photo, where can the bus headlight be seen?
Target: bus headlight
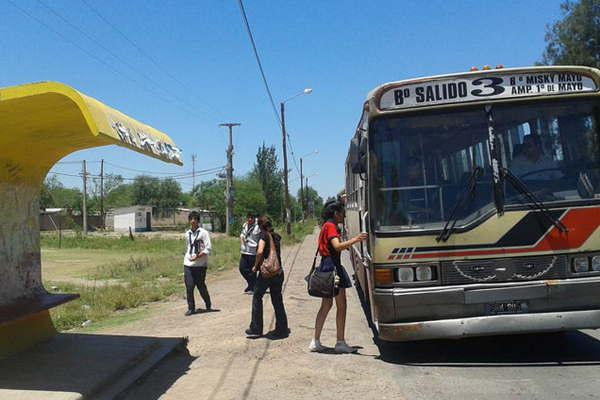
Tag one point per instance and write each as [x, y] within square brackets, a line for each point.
[580, 264]
[424, 273]
[406, 274]
[596, 263]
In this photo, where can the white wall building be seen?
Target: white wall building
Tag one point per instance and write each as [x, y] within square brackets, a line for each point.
[138, 218]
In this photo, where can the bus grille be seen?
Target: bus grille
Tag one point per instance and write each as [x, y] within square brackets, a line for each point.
[504, 270]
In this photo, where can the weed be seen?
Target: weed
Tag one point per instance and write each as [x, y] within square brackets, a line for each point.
[152, 273]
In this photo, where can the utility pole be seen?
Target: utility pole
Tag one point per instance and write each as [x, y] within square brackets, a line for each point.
[302, 191]
[102, 194]
[229, 191]
[84, 210]
[288, 214]
[288, 225]
[193, 171]
[306, 186]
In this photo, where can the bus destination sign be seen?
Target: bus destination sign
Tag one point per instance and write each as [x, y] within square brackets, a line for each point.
[477, 88]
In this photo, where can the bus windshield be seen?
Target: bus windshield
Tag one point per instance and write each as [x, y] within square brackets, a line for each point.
[421, 164]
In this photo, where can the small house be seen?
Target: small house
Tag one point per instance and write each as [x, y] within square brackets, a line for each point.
[138, 218]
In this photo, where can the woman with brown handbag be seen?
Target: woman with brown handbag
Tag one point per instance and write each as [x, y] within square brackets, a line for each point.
[268, 264]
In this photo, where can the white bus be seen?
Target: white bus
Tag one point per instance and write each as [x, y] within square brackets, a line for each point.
[481, 194]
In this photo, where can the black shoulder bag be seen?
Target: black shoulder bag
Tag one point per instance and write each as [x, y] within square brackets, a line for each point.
[320, 283]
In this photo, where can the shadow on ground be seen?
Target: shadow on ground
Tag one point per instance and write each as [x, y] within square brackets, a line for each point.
[560, 348]
[85, 364]
[172, 368]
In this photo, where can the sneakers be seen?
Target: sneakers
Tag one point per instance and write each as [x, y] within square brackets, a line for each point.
[315, 346]
[280, 333]
[190, 312]
[342, 347]
[251, 334]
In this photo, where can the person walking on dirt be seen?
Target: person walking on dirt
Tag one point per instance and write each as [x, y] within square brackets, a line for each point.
[330, 249]
[248, 243]
[274, 284]
[195, 262]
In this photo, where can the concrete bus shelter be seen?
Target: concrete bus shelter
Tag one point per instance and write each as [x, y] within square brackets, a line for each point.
[40, 124]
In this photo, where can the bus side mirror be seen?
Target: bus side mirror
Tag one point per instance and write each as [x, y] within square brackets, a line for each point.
[358, 155]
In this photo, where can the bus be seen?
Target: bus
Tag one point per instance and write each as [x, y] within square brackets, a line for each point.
[480, 192]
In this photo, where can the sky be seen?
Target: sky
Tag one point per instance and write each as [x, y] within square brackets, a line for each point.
[196, 68]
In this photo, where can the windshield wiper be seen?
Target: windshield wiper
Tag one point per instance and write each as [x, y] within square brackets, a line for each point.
[534, 202]
[466, 197]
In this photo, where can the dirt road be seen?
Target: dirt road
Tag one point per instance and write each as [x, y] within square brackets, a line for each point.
[223, 364]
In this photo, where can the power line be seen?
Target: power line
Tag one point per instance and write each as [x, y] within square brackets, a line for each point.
[66, 39]
[212, 171]
[156, 172]
[141, 51]
[78, 162]
[92, 55]
[264, 78]
[110, 52]
[262, 72]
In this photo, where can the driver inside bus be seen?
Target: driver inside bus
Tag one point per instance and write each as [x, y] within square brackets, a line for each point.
[531, 158]
[416, 203]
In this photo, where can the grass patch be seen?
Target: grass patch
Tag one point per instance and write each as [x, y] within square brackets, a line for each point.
[299, 231]
[140, 244]
[98, 303]
[143, 278]
[117, 319]
[152, 272]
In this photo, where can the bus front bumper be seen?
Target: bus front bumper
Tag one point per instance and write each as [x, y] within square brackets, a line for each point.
[464, 311]
[490, 325]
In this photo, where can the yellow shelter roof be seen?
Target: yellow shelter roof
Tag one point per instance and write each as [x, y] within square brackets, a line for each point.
[40, 123]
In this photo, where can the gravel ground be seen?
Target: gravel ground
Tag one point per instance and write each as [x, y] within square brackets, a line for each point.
[224, 364]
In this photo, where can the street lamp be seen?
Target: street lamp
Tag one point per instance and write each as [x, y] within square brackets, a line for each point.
[288, 216]
[302, 197]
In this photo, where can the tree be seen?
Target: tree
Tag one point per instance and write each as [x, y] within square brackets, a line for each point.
[163, 195]
[54, 194]
[170, 196]
[313, 201]
[210, 195]
[266, 171]
[111, 182]
[146, 190]
[249, 197]
[120, 196]
[50, 184]
[575, 40]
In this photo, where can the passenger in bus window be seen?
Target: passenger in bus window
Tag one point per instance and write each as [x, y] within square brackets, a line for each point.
[330, 249]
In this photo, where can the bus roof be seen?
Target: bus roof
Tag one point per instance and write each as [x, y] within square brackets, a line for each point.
[486, 85]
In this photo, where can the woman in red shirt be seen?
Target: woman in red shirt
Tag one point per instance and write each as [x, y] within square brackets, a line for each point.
[330, 249]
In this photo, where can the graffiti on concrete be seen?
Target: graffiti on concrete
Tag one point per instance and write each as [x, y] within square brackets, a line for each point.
[144, 141]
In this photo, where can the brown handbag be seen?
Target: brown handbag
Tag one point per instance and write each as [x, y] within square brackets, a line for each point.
[270, 267]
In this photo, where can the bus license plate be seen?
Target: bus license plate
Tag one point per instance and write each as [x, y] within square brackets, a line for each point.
[511, 307]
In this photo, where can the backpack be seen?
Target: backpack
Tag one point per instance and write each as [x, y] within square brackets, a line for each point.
[270, 267]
